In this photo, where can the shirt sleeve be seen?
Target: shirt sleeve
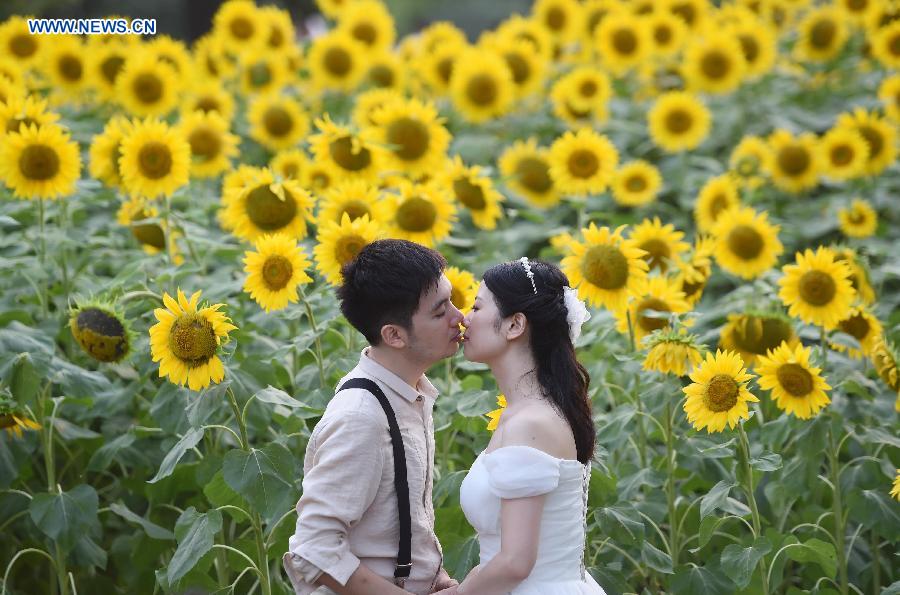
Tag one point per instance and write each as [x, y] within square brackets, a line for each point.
[521, 471]
[338, 487]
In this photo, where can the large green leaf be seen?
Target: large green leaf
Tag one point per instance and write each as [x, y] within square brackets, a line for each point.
[715, 498]
[150, 528]
[739, 562]
[655, 558]
[815, 551]
[65, 516]
[187, 442]
[698, 579]
[263, 476]
[196, 534]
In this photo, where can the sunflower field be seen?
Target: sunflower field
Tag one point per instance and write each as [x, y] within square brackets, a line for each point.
[719, 181]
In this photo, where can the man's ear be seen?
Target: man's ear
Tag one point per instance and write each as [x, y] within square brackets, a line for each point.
[516, 326]
[394, 336]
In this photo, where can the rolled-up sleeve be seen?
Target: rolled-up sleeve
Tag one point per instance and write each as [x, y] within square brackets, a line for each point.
[340, 483]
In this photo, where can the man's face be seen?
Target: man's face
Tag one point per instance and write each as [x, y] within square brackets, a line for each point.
[435, 332]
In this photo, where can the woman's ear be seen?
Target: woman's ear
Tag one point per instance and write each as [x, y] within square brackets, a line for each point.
[394, 336]
[516, 326]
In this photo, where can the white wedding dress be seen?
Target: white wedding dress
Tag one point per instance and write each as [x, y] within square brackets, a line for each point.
[521, 471]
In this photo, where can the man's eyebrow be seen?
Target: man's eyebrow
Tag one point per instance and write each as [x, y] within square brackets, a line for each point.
[439, 304]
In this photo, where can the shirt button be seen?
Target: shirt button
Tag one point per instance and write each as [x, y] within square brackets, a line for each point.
[419, 398]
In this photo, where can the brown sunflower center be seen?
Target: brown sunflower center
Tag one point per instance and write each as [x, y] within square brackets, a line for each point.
[338, 61]
[71, 68]
[341, 150]
[757, 335]
[320, 180]
[22, 46]
[745, 242]
[817, 288]
[7, 421]
[444, 69]
[685, 10]
[469, 194]
[410, 138]
[658, 253]
[606, 267]
[347, 247]
[354, 209]
[155, 160]
[856, 5]
[873, 138]
[290, 169]
[278, 121]
[715, 65]
[518, 66]
[276, 37]
[636, 183]
[241, 27]
[652, 323]
[662, 34]
[192, 339]
[416, 214]
[555, 19]
[588, 89]
[205, 143]
[750, 47]
[841, 155]
[482, 89]
[111, 67]
[721, 393]
[208, 104]
[822, 33]
[679, 121]
[795, 379]
[276, 272]
[583, 163]
[39, 162]
[365, 33]
[624, 41]
[267, 211]
[147, 87]
[534, 174]
[595, 18]
[718, 204]
[100, 322]
[856, 326]
[381, 76]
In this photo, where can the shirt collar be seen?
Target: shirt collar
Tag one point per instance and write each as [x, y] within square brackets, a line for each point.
[397, 384]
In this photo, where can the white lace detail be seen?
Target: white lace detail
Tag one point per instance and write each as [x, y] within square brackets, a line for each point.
[585, 484]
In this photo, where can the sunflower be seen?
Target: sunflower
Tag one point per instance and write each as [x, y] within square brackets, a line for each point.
[339, 243]
[386, 70]
[186, 339]
[759, 43]
[885, 44]
[718, 195]
[142, 218]
[420, 213]
[678, 121]
[718, 392]
[859, 220]
[274, 271]
[263, 72]
[172, 52]
[369, 102]
[662, 243]
[21, 111]
[263, 205]
[859, 274]
[238, 25]
[318, 177]
[582, 94]
[14, 421]
[9, 91]
[559, 18]
[209, 96]
[212, 145]
[859, 11]
[105, 64]
[844, 153]
[463, 288]
[40, 162]
[636, 183]
[524, 63]
[154, 159]
[672, 352]
[101, 331]
[351, 154]
[889, 94]
[279, 27]
[277, 121]
[370, 23]
[582, 162]
[17, 42]
[413, 134]
[622, 42]
[692, 12]
[336, 61]
[605, 268]
[885, 360]
[817, 288]
[481, 85]
[693, 272]
[895, 490]
[146, 86]
[747, 245]
[750, 161]
[289, 164]
[862, 326]
[714, 63]
[66, 65]
[655, 300]
[436, 66]
[753, 334]
[475, 191]
[494, 416]
[526, 168]
[797, 387]
[104, 152]
[821, 34]
[796, 160]
[354, 198]
[667, 33]
[880, 135]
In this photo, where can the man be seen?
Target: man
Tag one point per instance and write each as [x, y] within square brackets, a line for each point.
[346, 540]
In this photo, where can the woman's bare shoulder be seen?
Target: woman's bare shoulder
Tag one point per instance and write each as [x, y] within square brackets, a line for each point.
[540, 426]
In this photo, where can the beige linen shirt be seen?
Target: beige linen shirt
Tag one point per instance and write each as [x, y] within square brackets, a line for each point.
[348, 514]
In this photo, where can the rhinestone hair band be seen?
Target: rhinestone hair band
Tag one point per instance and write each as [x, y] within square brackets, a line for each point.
[528, 273]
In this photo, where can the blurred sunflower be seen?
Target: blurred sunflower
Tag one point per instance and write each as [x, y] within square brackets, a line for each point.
[692, 273]
[263, 205]
[9, 91]
[463, 288]
[668, 33]
[101, 330]
[238, 25]
[605, 267]
[413, 134]
[262, 72]
[370, 23]
[885, 44]
[210, 60]
[582, 162]
[859, 11]
[796, 160]
[636, 183]
[339, 243]
[622, 41]
[494, 416]
[277, 121]
[593, 12]
[66, 63]
[655, 300]
[436, 66]
[17, 42]
[863, 326]
[714, 63]
[889, 94]
[172, 52]
[859, 220]
[694, 13]
[718, 195]
[421, 213]
[816, 288]
[859, 274]
[369, 102]
[895, 490]
[105, 63]
[885, 359]
[750, 161]
[212, 144]
[146, 86]
[753, 334]
[678, 121]
[880, 135]
[526, 169]
[289, 164]
[354, 198]
[672, 352]
[559, 18]
[352, 154]
[318, 177]
[530, 30]
[481, 85]
[22, 111]
[14, 421]
[386, 70]
[336, 61]
[154, 159]
[797, 387]
[821, 34]
[475, 191]
[209, 96]
[747, 245]
[524, 63]
[40, 162]
[718, 395]
[278, 28]
[844, 153]
[274, 270]
[581, 95]
[662, 243]
[105, 152]
[186, 341]
[332, 8]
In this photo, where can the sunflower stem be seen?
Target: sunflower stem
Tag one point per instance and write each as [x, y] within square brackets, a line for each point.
[876, 563]
[670, 487]
[167, 232]
[42, 250]
[63, 256]
[751, 498]
[823, 351]
[838, 511]
[50, 470]
[318, 342]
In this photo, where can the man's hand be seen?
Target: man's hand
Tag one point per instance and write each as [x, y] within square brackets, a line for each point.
[449, 591]
[444, 582]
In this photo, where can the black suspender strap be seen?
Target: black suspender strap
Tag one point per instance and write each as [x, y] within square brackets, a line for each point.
[401, 486]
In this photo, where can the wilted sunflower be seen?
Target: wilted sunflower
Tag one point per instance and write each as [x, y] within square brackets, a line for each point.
[494, 416]
[717, 196]
[662, 243]
[277, 121]
[481, 85]
[622, 41]
[654, 301]
[862, 326]
[672, 352]
[421, 213]
[146, 86]
[370, 23]
[154, 159]
[817, 288]
[17, 42]
[859, 220]
[889, 94]
[714, 63]
[821, 34]
[238, 25]
[797, 387]
[336, 61]
[186, 340]
[605, 267]
[66, 65]
[880, 135]
[413, 135]
[718, 395]
[209, 96]
[636, 183]
[212, 145]
[583, 162]
[692, 273]
[274, 270]
[39, 162]
[747, 245]
[759, 43]
[463, 288]
[475, 191]
[526, 170]
[582, 95]
[753, 334]
[750, 161]
[796, 163]
[678, 121]
[263, 205]
[14, 421]
[844, 153]
[354, 198]
[339, 243]
[351, 154]
[885, 43]
[101, 330]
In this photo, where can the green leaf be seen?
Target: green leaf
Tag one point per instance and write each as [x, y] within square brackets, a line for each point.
[219, 494]
[767, 461]
[104, 455]
[708, 526]
[875, 510]
[879, 436]
[816, 551]
[892, 589]
[714, 498]
[461, 557]
[196, 534]
[263, 477]
[187, 442]
[626, 516]
[69, 431]
[739, 562]
[446, 491]
[697, 579]
[150, 528]
[656, 559]
[64, 517]
[276, 396]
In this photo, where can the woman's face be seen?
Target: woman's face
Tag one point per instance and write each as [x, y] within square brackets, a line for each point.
[482, 340]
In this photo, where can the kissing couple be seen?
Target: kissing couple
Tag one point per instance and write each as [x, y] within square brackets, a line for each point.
[365, 520]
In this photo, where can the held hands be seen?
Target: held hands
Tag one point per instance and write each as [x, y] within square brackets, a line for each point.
[444, 584]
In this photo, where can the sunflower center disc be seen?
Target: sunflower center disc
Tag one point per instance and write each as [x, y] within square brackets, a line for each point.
[482, 90]
[750, 48]
[260, 75]
[445, 69]
[410, 138]
[745, 242]
[636, 184]
[100, 322]
[111, 67]
[17, 124]
[155, 160]
[822, 34]
[192, 339]
[22, 46]
[648, 323]
[241, 28]
[583, 163]
[416, 214]
[338, 61]
[208, 104]
[39, 162]
[721, 393]
[534, 174]
[662, 35]
[606, 267]
[625, 42]
[658, 253]
[366, 33]
[277, 271]
[793, 160]
[71, 68]
[856, 326]
[872, 136]
[715, 65]
[518, 67]
[587, 89]
[817, 288]
[718, 204]
[469, 194]
[354, 209]
[347, 248]
[382, 76]
[204, 143]
[679, 121]
[278, 121]
[341, 151]
[148, 87]
[269, 212]
[795, 379]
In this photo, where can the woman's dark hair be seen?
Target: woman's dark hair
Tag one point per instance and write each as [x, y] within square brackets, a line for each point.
[563, 379]
[383, 284]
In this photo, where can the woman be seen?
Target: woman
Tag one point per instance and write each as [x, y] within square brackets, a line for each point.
[526, 494]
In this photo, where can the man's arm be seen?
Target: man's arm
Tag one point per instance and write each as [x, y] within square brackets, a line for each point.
[362, 582]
